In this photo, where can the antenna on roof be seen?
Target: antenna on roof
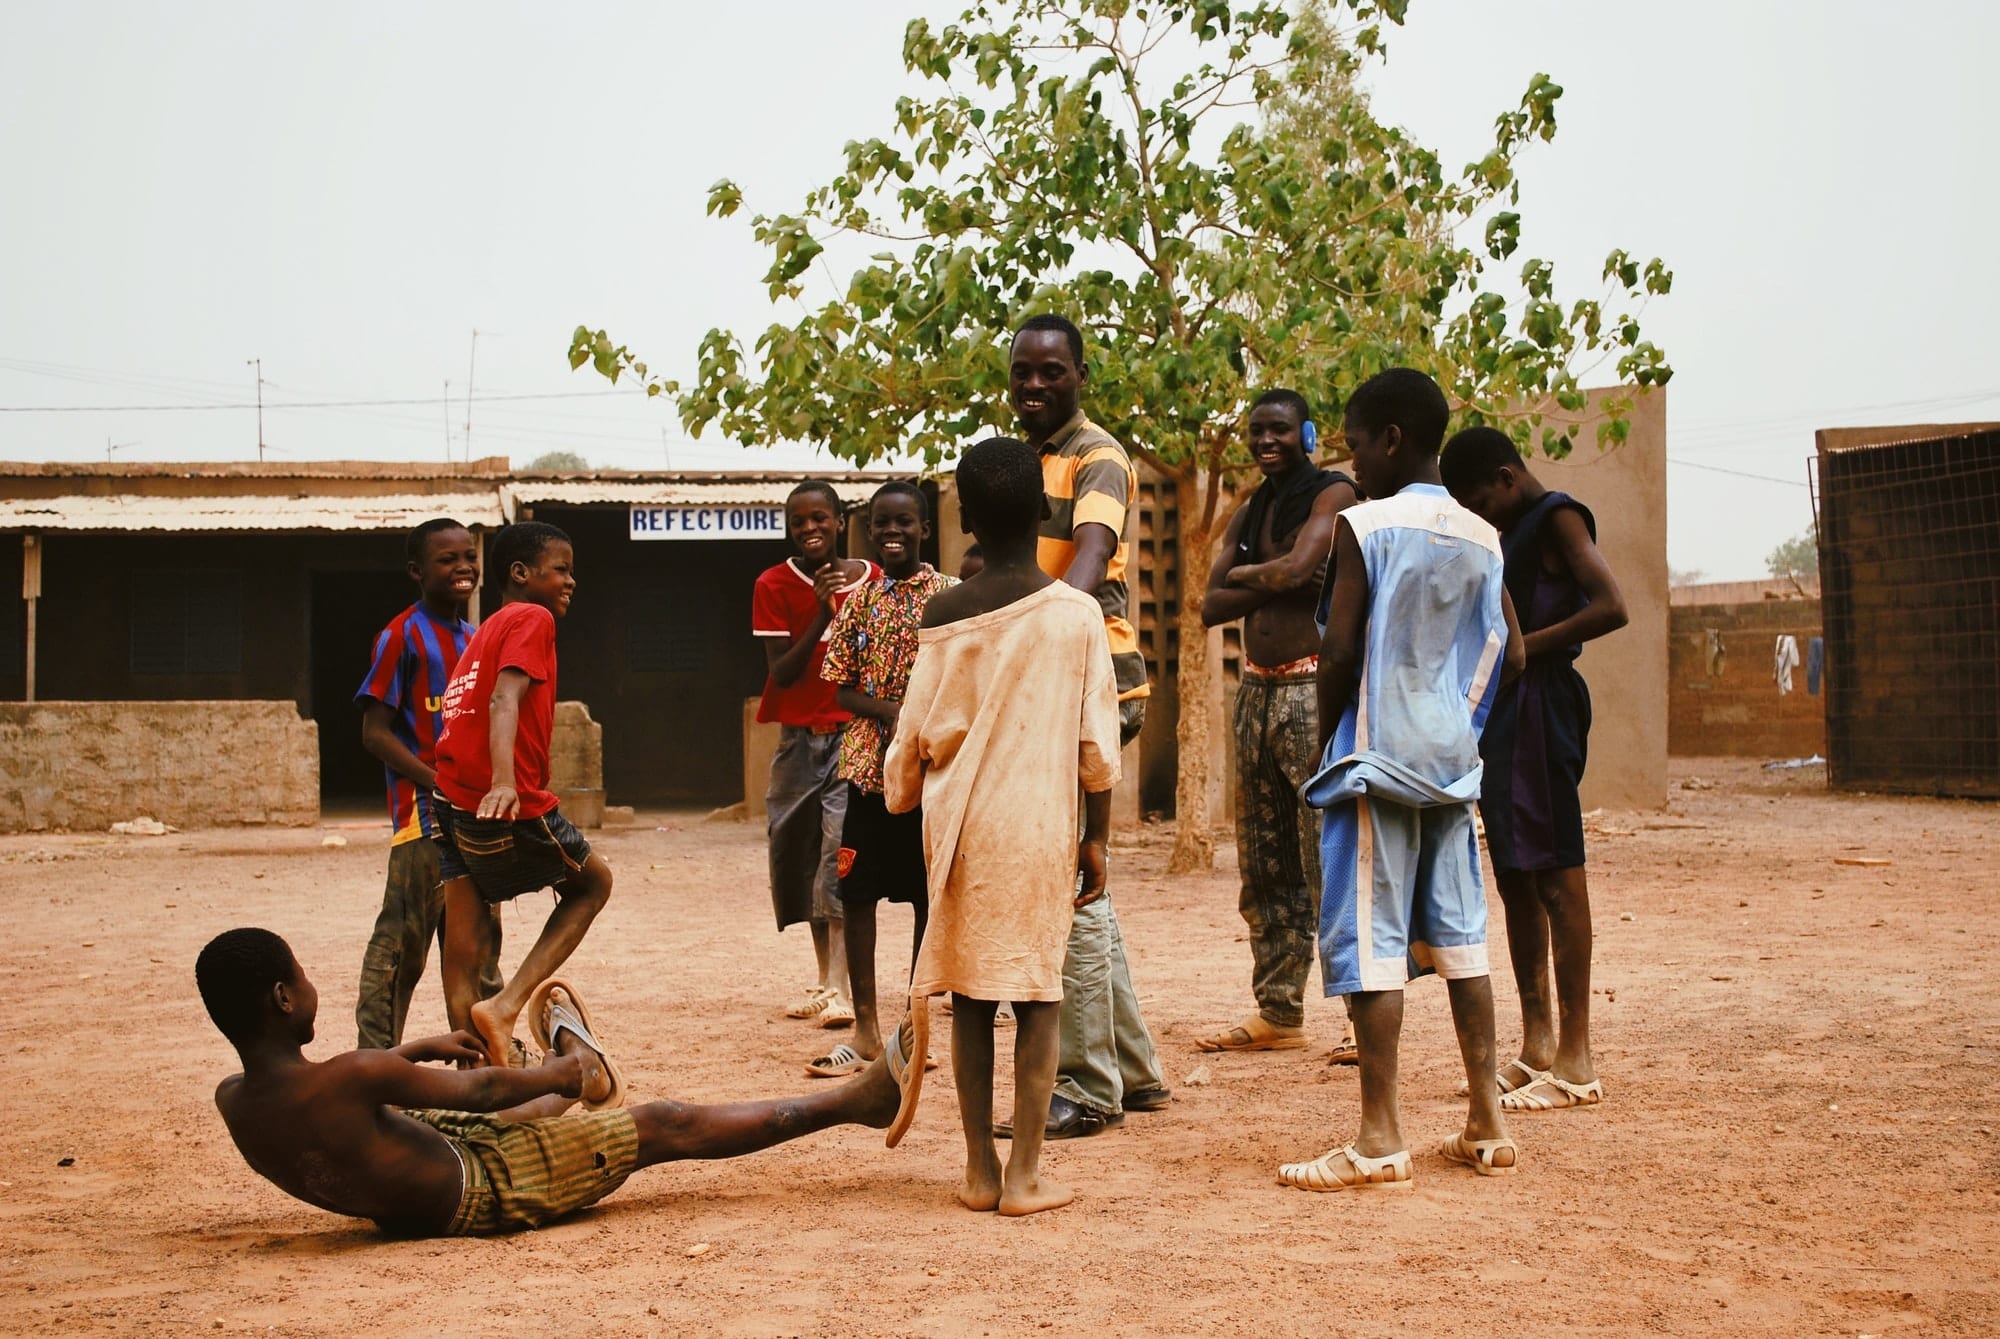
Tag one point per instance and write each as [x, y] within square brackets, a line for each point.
[111, 446]
[258, 363]
[471, 362]
[447, 420]
[666, 455]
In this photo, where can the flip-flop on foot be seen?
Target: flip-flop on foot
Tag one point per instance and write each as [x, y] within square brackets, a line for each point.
[1326, 1172]
[838, 1063]
[1482, 1155]
[1256, 1033]
[556, 1008]
[1546, 1092]
[908, 1076]
[839, 1011]
[1345, 1052]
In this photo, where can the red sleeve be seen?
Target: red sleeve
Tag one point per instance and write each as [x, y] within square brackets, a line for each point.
[767, 610]
[528, 643]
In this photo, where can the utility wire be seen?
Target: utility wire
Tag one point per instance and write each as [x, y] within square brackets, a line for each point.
[291, 404]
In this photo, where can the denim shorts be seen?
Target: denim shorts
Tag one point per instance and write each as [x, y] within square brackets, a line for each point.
[505, 858]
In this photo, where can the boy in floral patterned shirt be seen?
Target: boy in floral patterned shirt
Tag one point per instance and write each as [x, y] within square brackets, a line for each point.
[870, 648]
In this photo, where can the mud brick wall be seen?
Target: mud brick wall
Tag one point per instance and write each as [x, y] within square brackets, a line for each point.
[1738, 713]
[86, 765]
[576, 765]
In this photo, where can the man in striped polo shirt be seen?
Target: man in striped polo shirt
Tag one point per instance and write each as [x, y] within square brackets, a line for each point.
[1107, 1064]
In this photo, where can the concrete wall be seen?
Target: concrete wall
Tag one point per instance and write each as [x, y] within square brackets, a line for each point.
[1626, 489]
[86, 765]
[1733, 710]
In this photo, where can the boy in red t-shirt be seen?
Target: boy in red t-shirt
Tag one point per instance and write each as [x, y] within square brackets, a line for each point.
[791, 609]
[499, 832]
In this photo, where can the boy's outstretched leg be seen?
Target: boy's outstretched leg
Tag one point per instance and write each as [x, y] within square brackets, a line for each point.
[673, 1131]
[1037, 1042]
[578, 900]
[972, 1074]
[1484, 1145]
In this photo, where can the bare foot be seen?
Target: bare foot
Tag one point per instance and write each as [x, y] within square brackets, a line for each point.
[1033, 1196]
[495, 1031]
[981, 1190]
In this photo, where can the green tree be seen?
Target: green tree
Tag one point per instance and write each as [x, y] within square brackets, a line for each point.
[555, 462]
[1795, 558]
[1093, 157]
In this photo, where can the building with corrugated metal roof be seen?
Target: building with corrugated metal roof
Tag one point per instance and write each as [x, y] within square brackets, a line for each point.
[269, 581]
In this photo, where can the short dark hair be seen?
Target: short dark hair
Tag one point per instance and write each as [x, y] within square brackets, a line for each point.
[1407, 398]
[816, 486]
[1051, 321]
[1474, 456]
[521, 542]
[1291, 400]
[906, 488]
[235, 973]
[414, 549]
[1000, 484]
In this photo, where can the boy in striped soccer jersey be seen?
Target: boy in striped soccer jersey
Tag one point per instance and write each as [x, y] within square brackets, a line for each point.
[402, 702]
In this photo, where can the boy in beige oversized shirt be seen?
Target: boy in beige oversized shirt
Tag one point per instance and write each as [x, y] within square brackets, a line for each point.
[1011, 713]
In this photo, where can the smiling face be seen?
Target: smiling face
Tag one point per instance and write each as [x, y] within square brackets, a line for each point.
[448, 570]
[1275, 443]
[897, 529]
[550, 580]
[813, 522]
[1043, 382]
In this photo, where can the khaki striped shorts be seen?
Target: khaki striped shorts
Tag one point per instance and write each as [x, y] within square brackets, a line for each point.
[522, 1174]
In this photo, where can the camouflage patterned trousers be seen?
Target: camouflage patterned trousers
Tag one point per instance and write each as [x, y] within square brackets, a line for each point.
[1277, 836]
[412, 915]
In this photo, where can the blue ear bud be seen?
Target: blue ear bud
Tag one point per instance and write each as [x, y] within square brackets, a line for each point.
[1308, 436]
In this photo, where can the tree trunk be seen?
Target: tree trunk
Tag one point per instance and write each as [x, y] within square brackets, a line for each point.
[1194, 848]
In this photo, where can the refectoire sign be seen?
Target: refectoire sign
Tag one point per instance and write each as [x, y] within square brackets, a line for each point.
[735, 520]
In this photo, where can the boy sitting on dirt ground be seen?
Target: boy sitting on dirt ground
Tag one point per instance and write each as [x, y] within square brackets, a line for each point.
[456, 1152]
[1533, 747]
[1417, 630]
[1012, 709]
[499, 832]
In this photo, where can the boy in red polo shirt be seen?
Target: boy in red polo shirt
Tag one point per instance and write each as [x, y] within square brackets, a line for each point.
[500, 833]
[791, 609]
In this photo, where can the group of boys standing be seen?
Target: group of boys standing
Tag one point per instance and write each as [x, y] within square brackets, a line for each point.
[952, 745]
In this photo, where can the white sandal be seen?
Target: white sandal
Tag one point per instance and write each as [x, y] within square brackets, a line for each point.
[1390, 1173]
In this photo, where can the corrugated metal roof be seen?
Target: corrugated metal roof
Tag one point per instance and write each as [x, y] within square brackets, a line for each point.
[313, 512]
[664, 493]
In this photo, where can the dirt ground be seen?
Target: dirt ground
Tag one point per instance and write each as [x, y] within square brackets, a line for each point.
[1800, 1058]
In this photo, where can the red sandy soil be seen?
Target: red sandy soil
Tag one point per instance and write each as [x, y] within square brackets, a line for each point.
[1799, 1056]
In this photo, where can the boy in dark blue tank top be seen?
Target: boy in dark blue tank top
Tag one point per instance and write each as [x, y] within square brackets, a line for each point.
[1534, 750]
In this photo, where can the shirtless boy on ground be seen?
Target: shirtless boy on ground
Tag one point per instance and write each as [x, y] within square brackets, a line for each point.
[1268, 574]
[427, 1151]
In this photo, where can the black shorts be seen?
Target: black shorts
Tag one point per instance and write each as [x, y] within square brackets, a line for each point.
[881, 854]
[505, 858]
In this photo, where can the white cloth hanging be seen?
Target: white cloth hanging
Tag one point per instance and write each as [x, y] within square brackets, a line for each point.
[1787, 660]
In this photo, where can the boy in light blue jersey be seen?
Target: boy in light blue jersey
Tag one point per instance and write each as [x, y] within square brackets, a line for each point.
[1418, 634]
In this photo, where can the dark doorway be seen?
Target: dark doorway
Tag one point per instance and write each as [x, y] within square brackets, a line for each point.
[348, 610]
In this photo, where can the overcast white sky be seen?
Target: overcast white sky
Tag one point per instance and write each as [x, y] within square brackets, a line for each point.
[347, 191]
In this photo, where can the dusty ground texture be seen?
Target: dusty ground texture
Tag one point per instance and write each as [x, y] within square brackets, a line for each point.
[1799, 1055]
